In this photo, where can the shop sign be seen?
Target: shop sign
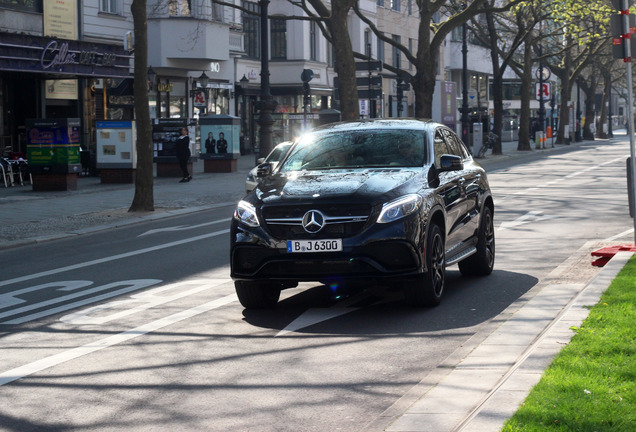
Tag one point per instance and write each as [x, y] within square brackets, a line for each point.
[164, 87]
[62, 56]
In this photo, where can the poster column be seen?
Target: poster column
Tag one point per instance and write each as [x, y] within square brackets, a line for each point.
[220, 137]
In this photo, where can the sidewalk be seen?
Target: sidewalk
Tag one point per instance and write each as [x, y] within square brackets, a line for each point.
[476, 389]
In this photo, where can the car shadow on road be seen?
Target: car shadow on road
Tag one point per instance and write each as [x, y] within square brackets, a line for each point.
[467, 302]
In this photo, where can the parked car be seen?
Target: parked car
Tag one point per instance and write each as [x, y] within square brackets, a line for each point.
[390, 201]
[272, 158]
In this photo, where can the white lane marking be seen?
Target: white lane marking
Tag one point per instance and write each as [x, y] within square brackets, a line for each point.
[129, 286]
[533, 216]
[112, 258]
[10, 299]
[56, 359]
[617, 236]
[183, 227]
[505, 196]
[140, 302]
[316, 315]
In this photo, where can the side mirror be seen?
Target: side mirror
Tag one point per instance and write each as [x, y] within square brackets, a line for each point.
[264, 169]
[451, 163]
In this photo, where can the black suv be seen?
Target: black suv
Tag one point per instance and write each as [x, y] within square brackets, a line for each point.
[392, 201]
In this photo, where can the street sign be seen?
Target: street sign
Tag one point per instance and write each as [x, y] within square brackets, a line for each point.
[543, 91]
[373, 66]
[376, 80]
[198, 99]
[375, 94]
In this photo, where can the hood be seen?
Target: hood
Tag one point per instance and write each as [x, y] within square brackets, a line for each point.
[334, 183]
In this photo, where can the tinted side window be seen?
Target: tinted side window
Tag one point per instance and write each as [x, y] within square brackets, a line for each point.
[454, 147]
[440, 146]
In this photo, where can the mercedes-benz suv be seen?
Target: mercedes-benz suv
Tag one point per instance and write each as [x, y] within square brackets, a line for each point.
[390, 201]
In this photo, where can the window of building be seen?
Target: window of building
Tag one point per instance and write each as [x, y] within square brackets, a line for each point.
[110, 6]
[251, 30]
[279, 39]
[395, 5]
[25, 5]
[313, 41]
[178, 7]
[457, 34]
[380, 50]
[397, 54]
[410, 7]
[410, 51]
[380, 2]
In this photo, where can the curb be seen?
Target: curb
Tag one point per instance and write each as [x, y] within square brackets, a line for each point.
[481, 385]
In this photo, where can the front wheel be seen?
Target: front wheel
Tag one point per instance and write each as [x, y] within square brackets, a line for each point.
[482, 262]
[427, 289]
[257, 294]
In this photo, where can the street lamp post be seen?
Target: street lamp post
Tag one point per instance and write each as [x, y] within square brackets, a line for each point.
[243, 83]
[577, 130]
[203, 83]
[266, 105]
[464, 109]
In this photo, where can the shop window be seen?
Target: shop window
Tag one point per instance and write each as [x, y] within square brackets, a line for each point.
[25, 5]
[279, 39]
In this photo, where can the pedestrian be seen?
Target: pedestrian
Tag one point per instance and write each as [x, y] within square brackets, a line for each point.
[210, 143]
[183, 154]
[221, 143]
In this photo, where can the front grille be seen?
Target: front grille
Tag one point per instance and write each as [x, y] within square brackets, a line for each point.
[342, 220]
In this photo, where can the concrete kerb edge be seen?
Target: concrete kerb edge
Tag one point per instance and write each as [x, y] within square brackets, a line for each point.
[592, 293]
[598, 285]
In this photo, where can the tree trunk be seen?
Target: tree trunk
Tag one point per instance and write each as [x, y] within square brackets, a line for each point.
[526, 93]
[497, 83]
[590, 114]
[344, 61]
[144, 195]
[426, 70]
[602, 130]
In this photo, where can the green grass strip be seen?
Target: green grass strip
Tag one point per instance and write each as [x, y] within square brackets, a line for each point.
[591, 384]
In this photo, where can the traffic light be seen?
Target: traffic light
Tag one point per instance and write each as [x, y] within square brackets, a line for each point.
[622, 26]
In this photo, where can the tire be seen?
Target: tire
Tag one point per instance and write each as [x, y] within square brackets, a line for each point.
[257, 294]
[427, 289]
[482, 151]
[482, 262]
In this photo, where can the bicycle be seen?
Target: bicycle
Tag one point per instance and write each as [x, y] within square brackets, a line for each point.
[491, 139]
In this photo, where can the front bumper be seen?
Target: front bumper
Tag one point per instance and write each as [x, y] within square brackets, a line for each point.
[390, 250]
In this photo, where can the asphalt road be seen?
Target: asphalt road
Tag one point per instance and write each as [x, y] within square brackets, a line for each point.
[138, 327]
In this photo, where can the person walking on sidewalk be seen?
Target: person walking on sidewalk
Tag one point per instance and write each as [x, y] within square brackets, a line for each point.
[183, 154]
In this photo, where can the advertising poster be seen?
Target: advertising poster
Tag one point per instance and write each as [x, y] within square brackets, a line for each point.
[218, 141]
[165, 133]
[116, 144]
[53, 142]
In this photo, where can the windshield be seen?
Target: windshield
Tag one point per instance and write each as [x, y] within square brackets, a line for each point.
[358, 149]
[278, 152]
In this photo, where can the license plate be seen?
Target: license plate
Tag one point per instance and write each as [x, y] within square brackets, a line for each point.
[330, 245]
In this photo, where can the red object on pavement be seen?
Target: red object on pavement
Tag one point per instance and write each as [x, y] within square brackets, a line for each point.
[607, 253]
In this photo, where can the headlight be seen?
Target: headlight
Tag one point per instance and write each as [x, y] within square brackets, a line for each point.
[399, 208]
[250, 177]
[246, 213]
